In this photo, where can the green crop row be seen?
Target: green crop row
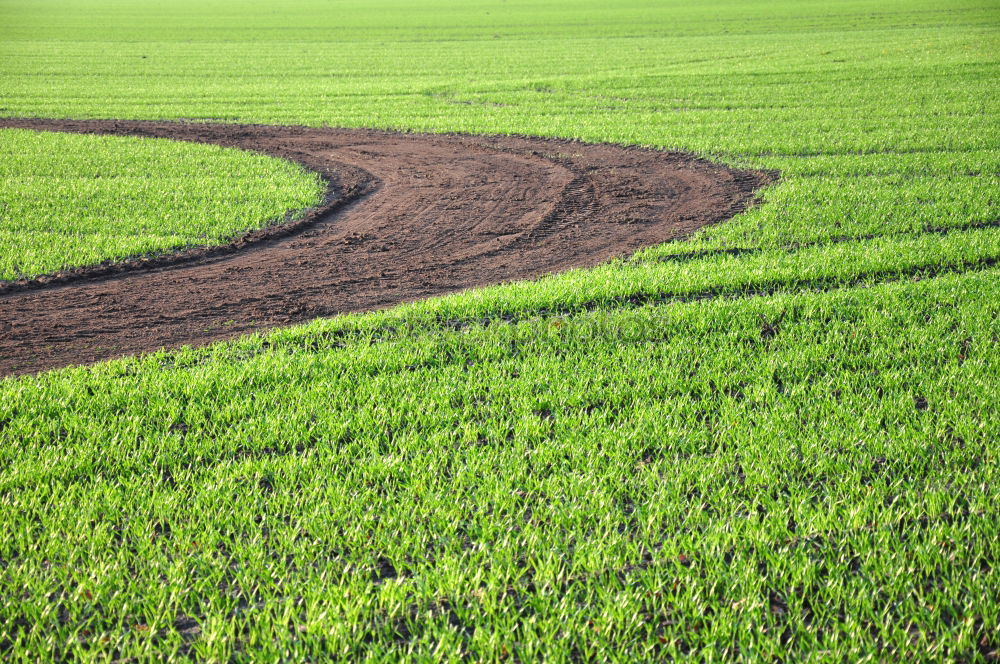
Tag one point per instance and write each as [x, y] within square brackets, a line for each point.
[800, 473]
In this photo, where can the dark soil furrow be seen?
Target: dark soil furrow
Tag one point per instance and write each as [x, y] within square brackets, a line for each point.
[406, 216]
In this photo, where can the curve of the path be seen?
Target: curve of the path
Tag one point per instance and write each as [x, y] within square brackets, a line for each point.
[407, 216]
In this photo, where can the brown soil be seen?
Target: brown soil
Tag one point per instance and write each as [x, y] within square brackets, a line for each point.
[406, 216]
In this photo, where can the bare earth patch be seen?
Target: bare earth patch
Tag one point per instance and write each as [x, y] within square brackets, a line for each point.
[406, 216]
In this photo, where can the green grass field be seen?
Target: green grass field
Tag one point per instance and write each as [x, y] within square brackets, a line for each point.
[775, 441]
[68, 200]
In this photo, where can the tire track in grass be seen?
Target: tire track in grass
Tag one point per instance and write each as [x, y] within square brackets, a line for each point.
[372, 336]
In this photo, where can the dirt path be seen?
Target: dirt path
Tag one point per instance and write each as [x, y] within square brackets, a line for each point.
[407, 216]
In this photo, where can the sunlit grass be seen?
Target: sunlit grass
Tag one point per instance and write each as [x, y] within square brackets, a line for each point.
[68, 200]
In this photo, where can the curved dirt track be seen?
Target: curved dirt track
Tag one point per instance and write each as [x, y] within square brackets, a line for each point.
[407, 216]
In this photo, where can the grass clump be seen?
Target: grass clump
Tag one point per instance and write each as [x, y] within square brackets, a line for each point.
[73, 200]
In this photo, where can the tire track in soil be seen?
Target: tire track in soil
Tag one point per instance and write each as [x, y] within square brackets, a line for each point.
[407, 216]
